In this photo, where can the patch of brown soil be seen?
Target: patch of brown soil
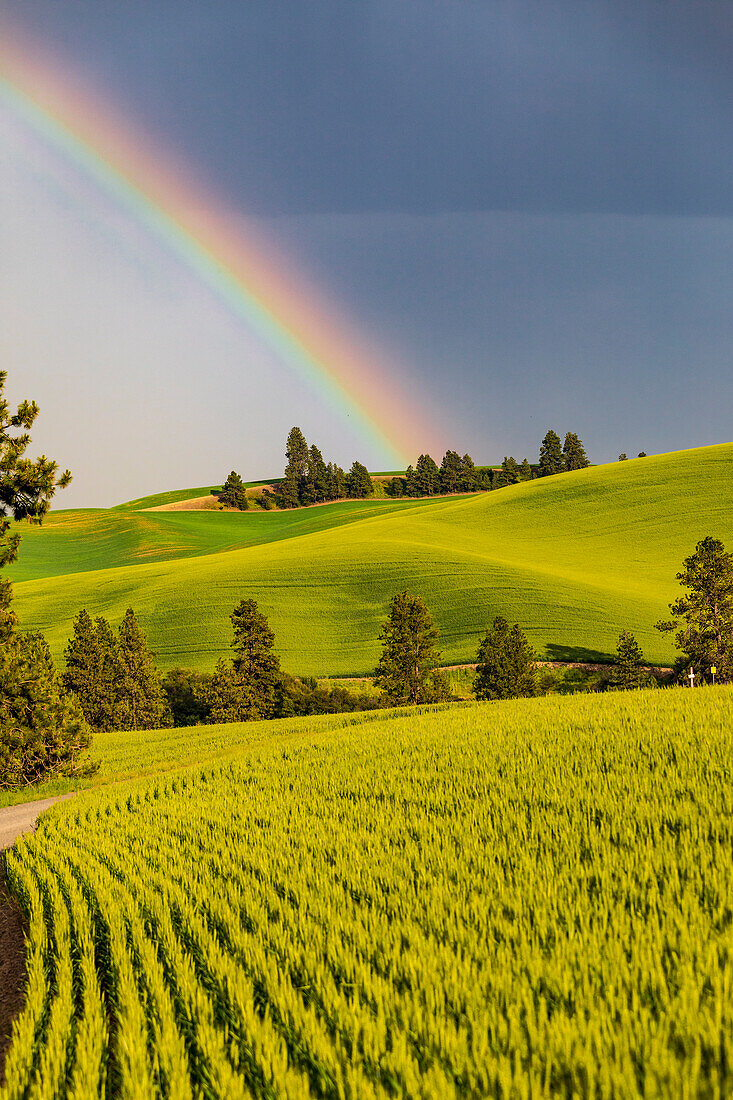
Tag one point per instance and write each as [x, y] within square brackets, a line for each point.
[12, 965]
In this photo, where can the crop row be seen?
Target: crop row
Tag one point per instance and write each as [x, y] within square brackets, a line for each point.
[455, 905]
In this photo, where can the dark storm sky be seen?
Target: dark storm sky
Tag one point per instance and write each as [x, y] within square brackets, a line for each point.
[530, 202]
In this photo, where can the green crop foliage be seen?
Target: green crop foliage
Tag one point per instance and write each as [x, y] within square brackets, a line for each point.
[573, 558]
[530, 898]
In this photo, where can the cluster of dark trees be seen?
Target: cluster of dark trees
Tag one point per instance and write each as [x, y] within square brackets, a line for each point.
[309, 479]
[557, 457]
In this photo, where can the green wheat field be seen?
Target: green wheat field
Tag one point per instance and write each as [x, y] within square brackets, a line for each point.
[519, 899]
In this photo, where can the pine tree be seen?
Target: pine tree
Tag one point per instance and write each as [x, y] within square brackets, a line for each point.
[297, 454]
[469, 482]
[42, 729]
[705, 611]
[396, 487]
[525, 471]
[451, 472]
[228, 697]
[410, 483]
[629, 671]
[359, 484]
[427, 477]
[255, 666]
[409, 654]
[505, 667]
[233, 493]
[93, 670]
[551, 461]
[141, 701]
[510, 470]
[287, 494]
[26, 489]
[573, 452]
[316, 481]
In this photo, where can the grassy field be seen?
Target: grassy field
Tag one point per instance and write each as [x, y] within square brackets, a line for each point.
[517, 899]
[574, 558]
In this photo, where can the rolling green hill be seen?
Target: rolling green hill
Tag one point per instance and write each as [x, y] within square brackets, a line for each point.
[574, 559]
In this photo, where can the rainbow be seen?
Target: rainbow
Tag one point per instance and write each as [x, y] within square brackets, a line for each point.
[199, 231]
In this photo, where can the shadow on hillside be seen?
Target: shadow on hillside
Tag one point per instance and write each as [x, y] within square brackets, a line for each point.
[576, 654]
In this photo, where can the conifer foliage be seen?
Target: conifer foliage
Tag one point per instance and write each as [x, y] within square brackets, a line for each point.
[26, 488]
[93, 670]
[505, 663]
[248, 686]
[43, 732]
[114, 677]
[233, 493]
[704, 612]
[629, 671]
[406, 671]
[573, 453]
[551, 460]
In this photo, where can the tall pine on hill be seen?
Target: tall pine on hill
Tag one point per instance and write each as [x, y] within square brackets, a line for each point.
[406, 671]
[42, 728]
[141, 702]
[551, 460]
[505, 663]
[93, 671]
[573, 452]
[248, 687]
[233, 493]
[704, 612]
[358, 482]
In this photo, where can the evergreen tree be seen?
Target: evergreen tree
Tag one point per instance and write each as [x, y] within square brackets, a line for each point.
[229, 698]
[525, 471]
[396, 487]
[573, 452]
[141, 701]
[469, 481]
[186, 690]
[405, 670]
[42, 729]
[629, 671]
[296, 453]
[359, 484]
[336, 482]
[451, 472]
[233, 493]
[551, 461]
[93, 670]
[296, 469]
[287, 494]
[485, 480]
[510, 470]
[410, 483]
[427, 477]
[254, 664]
[505, 666]
[705, 611]
[26, 489]
[317, 482]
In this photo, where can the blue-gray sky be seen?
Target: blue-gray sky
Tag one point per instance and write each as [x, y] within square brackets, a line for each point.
[529, 204]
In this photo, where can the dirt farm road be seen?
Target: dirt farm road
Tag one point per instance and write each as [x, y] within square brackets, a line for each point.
[16, 820]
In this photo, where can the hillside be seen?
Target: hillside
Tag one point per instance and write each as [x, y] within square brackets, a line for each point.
[574, 558]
